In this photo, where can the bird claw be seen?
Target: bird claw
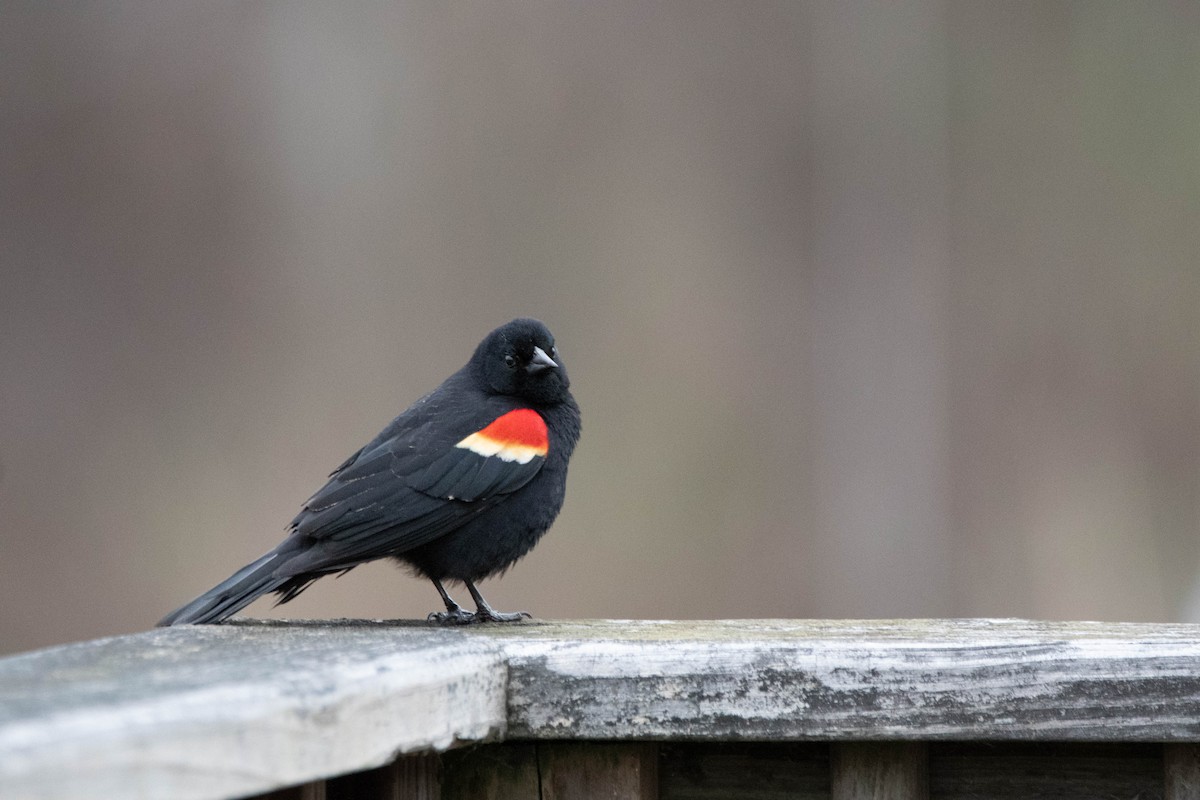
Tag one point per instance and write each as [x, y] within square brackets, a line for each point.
[491, 615]
[460, 616]
[455, 616]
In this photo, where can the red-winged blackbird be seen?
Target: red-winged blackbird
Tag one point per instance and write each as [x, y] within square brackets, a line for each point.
[458, 487]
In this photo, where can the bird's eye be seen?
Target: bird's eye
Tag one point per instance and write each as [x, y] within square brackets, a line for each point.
[510, 361]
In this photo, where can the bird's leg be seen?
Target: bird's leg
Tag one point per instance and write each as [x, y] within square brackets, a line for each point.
[485, 613]
[454, 613]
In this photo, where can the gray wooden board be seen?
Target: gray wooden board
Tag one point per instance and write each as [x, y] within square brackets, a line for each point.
[216, 711]
[848, 680]
[228, 710]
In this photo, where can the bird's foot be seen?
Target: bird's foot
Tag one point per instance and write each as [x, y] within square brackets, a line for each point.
[485, 613]
[452, 616]
[460, 616]
[490, 614]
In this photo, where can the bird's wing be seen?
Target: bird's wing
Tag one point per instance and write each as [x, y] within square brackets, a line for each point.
[417, 483]
[496, 459]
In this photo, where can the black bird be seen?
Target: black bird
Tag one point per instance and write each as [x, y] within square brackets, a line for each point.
[458, 487]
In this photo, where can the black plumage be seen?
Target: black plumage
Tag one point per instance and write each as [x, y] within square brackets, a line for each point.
[458, 487]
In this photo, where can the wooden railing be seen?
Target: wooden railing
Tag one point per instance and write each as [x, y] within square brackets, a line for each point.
[615, 709]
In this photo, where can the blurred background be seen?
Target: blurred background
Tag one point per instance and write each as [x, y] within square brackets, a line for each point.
[873, 309]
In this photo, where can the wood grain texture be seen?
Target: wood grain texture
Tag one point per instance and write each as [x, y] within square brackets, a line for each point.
[1181, 772]
[844, 680]
[879, 771]
[227, 710]
[624, 771]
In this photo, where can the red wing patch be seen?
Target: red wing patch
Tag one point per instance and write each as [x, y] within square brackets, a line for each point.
[517, 436]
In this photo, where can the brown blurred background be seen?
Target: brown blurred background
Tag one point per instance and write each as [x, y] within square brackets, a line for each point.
[873, 309]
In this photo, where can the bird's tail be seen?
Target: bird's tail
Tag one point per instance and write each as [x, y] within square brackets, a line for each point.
[232, 595]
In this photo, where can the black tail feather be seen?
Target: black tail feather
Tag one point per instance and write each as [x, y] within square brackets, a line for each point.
[232, 595]
[293, 586]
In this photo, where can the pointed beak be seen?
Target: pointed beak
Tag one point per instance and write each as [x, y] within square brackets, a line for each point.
[540, 361]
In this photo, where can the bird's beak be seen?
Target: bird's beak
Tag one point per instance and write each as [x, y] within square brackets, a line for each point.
[540, 361]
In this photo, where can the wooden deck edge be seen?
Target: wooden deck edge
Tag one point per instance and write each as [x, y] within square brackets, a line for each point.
[222, 711]
[213, 711]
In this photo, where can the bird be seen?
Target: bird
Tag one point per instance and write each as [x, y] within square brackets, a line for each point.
[457, 488]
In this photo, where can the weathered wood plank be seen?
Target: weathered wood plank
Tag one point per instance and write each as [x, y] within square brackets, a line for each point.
[218, 711]
[879, 771]
[845, 680]
[229, 710]
[625, 771]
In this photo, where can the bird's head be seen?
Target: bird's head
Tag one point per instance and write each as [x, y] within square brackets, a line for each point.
[520, 360]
